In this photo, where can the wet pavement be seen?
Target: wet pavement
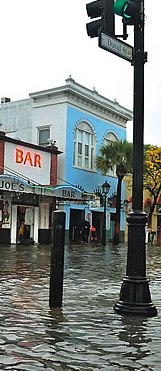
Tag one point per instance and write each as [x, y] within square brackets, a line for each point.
[86, 334]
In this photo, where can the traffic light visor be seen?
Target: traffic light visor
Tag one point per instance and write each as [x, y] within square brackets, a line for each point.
[128, 9]
[119, 6]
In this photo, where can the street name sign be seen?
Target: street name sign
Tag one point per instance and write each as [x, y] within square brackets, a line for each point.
[115, 46]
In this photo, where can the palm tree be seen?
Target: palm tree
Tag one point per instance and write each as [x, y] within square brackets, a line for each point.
[116, 156]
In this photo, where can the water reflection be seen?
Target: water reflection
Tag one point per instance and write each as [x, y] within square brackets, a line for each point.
[134, 335]
[85, 334]
[54, 324]
[110, 262]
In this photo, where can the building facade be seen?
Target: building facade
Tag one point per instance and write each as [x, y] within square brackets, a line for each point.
[28, 174]
[78, 120]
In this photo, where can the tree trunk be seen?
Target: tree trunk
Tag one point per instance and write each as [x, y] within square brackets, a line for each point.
[153, 205]
[151, 212]
[116, 238]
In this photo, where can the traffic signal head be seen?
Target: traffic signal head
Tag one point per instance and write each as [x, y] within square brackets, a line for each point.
[128, 9]
[103, 11]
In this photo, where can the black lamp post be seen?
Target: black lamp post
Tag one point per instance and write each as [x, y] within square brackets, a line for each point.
[105, 189]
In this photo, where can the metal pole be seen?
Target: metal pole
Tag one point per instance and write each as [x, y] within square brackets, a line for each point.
[57, 259]
[104, 222]
[135, 295]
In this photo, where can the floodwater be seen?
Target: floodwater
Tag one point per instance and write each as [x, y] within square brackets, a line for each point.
[86, 334]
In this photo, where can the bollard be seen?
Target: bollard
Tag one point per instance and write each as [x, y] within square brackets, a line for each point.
[57, 259]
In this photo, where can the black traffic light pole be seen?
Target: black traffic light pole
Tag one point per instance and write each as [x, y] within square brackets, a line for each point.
[135, 295]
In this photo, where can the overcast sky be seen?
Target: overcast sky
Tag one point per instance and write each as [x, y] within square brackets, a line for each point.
[45, 41]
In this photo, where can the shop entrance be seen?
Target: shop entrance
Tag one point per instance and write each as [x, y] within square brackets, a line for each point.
[76, 216]
[25, 224]
[97, 223]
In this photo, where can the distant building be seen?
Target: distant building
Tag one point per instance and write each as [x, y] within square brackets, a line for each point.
[78, 121]
[154, 226]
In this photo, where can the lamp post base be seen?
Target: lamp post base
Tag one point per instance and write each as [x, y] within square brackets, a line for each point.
[135, 298]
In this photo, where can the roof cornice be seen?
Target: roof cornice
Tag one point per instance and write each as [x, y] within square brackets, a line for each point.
[81, 94]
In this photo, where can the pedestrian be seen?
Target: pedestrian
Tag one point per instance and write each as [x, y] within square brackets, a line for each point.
[85, 229]
[93, 235]
[21, 231]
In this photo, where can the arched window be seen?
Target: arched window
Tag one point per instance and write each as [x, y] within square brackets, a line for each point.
[84, 146]
[109, 137]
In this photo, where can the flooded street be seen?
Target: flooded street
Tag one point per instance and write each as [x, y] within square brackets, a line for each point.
[86, 334]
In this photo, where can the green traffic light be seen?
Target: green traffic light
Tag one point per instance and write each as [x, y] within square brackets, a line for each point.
[128, 9]
[119, 6]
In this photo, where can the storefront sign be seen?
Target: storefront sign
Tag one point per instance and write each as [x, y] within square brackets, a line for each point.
[67, 192]
[27, 163]
[28, 158]
[7, 185]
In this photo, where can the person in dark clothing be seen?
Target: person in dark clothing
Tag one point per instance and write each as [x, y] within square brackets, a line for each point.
[85, 229]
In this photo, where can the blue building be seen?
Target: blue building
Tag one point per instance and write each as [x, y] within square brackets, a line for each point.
[78, 121]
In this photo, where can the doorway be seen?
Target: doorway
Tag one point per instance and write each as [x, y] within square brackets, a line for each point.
[97, 223]
[76, 217]
[25, 223]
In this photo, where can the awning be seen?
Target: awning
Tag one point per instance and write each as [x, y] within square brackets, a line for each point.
[14, 183]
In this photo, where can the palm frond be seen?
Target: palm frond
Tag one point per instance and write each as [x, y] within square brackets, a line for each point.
[116, 154]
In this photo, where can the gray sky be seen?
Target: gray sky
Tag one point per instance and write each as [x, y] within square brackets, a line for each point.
[44, 41]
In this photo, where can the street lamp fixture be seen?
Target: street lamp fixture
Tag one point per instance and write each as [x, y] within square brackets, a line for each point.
[105, 190]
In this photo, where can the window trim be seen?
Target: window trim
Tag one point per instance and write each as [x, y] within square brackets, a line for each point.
[84, 138]
[40, 129]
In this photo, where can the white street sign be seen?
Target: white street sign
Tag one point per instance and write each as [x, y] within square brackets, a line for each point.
[116, 46]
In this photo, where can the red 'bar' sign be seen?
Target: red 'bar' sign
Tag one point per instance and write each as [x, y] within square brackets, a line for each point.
[28, 158]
